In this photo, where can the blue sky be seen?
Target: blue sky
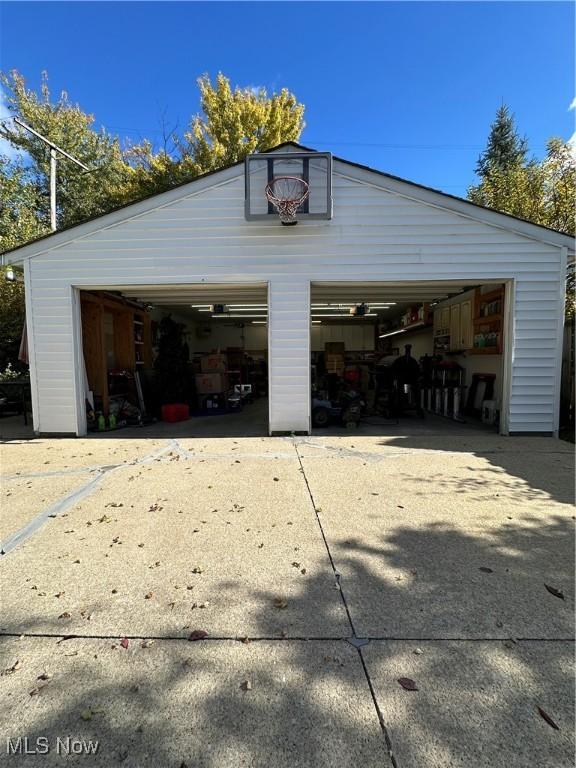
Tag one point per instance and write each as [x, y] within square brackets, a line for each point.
[406, 87]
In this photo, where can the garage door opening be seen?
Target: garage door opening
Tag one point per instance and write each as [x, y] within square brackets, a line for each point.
[176, 361]
[391, 358]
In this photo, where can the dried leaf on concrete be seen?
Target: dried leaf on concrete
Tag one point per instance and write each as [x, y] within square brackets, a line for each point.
[408, 684]
[555, 592]
[545, 716]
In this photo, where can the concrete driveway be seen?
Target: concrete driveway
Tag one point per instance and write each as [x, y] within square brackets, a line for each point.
[324, 570]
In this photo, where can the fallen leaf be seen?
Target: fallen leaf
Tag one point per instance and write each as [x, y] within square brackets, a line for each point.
[407, 684]
[10, 670]
[38, 690]
[418, 651]
[86, 714]
[545, 716]
[197, 569]
[124, 642]
[148, 595]
[555, 592]
[64, 615]
[246, 685]
[147, 643]
[279, 602]
[44, 676]
[198, 634]
[484, 569]
[276, 479]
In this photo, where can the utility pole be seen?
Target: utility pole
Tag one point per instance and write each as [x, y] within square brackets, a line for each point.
[54, 149]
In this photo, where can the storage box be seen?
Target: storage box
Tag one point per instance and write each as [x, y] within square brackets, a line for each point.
[210, 383]
[213, 363]
[175, 412]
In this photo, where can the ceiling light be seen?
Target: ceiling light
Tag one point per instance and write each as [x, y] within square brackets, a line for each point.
[242, 317]
[348, 316]
[401, 330]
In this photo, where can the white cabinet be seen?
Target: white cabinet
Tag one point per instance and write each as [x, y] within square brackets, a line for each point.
[466, 326]
[445, 318]
[454, 327]
[456, 319]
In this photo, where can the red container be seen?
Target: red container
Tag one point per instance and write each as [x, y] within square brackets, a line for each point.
[175, 412]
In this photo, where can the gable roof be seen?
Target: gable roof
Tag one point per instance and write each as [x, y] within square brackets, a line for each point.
[397, 184]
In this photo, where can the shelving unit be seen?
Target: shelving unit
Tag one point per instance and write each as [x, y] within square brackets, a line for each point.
[488, 322]
[131, 349]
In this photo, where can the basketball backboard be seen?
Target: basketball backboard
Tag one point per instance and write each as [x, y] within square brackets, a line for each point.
[315, 168]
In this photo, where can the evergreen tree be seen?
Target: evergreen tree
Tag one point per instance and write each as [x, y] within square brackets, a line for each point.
[505, 149]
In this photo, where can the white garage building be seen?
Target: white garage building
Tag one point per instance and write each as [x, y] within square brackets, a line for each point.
[362, 236]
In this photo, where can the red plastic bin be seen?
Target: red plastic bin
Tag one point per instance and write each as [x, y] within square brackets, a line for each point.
[175, 412]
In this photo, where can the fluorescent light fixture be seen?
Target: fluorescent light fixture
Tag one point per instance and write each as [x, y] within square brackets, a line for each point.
[248, 306]
[316, 322]
[250, 309]
[402, 330]
[239, 317]
[354, 317]
[200, 306]
[346, 307]
[259, 322]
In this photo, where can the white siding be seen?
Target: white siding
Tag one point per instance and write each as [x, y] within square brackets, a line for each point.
[375, 235]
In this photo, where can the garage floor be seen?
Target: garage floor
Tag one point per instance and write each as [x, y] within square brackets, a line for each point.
[252, 421]
[324, 570]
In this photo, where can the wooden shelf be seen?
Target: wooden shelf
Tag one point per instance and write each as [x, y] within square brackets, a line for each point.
[485, 351]
[487, 319]
[484, 298]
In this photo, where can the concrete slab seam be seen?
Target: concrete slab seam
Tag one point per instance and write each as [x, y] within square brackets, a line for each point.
[69, 500]
[354, 640]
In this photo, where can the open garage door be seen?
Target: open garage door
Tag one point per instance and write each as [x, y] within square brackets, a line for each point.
[177, 360]
[423, 357]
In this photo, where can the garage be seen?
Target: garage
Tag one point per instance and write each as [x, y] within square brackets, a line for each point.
[288, 266]
[177, 355]
[391, 357]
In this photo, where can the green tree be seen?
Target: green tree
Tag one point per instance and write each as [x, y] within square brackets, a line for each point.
[21, 205]
[543, 192]
[11, 320]
[505, 149]
[80, 195]
[233, 123]
[238, 122]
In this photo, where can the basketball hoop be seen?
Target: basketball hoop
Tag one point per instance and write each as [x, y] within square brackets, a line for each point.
[287, 193]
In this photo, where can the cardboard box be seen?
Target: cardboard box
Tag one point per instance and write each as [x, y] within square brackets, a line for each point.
[213, 363]
[210, 383]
